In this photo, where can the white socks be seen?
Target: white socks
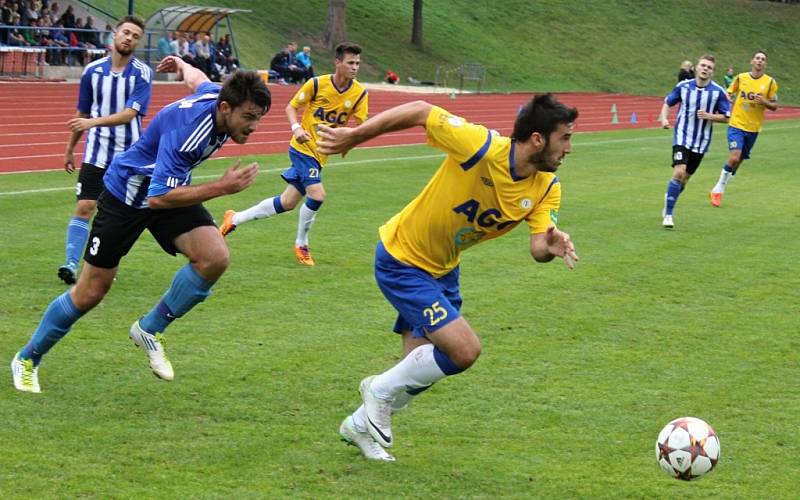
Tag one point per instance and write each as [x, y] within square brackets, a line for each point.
[724, 178]
[266, 208]
[304, 222]
[418, 369]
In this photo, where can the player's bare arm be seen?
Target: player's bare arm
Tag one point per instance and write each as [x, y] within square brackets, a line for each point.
[664, 116]
[74, 137]
[234, 180]
[190, 75]
[79, 124]
[298, 131]
[771, 105]
[551, 244]
[712, 117]
[341, 140]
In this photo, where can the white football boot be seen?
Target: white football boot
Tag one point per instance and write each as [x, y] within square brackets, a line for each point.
[364, 440]
[667, 222]
[379, 414]
[26, 375]
[154, 346]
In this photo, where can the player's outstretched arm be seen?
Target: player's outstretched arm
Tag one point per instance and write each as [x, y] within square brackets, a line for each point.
[342, 140]
[190, 75]
[234, 180]
[553, 243]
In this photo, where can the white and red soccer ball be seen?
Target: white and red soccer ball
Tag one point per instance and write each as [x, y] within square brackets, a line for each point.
[687, 448]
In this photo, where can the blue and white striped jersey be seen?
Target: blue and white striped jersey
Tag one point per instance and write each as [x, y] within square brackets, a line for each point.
[690, 131]
[103, 93]
[180, 137]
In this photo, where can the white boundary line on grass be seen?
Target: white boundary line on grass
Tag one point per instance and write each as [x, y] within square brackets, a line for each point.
[338, 163]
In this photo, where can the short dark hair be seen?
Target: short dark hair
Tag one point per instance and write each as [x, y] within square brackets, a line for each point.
[760, 52]
[132, 20]
[347, 48]
[244, 86]
[542, 114]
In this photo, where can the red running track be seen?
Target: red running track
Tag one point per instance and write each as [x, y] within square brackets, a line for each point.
[33, 116]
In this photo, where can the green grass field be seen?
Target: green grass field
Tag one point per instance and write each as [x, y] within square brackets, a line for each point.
[561, 45]
[580, 369]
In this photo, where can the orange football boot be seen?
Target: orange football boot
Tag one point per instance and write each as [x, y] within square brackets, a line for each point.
[303, 255]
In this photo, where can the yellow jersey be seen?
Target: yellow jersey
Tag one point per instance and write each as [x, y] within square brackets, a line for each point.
[748, 115]
[474, 196]
[329, 105]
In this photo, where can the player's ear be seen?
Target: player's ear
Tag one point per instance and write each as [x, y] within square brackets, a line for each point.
[538, 140]
[225, 108]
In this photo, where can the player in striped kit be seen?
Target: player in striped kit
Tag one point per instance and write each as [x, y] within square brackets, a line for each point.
[113, 98]
[149, 187]
[703, 101]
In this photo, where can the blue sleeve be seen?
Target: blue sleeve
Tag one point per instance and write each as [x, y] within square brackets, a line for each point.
[673, 97]
[724, 104]
[208, 88]
[85, 98]
[173, 166]
[140, 97]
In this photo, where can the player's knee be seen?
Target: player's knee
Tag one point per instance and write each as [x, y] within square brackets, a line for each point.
[85, 209]
[466, 354]
[87, 295]
[211, 265]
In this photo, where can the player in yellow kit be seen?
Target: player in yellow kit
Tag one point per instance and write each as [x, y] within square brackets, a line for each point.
[486, 186]
[751, 93]
[330, 100]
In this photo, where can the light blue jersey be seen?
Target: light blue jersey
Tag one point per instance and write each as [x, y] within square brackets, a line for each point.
[690, 131]
[180, 137]
[103, 93]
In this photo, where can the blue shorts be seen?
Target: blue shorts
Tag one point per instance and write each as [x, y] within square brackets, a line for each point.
[739, 139]
[305, 171]
[424, 303]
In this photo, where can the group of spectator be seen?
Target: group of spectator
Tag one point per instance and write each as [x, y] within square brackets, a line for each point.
[289, 66]
[40, 23]
[199, 50]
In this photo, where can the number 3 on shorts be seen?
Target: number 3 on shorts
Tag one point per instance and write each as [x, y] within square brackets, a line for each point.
[95, 246]
[435, 313]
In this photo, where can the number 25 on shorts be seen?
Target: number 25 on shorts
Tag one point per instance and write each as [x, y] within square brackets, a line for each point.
[435, 313]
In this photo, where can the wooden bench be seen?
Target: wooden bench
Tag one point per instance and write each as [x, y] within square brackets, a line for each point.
[471, 72]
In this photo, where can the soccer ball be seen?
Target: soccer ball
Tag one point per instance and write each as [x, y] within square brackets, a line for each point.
[687, 448]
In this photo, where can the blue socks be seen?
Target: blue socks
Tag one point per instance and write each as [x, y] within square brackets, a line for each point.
[313, 204]
[59, 317]
[77, 234]
[277, 205]
[444, 362]
[674, 189]
[186, 291]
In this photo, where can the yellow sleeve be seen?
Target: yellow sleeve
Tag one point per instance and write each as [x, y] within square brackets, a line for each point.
[304, 95]
[546, 212]
[362, 108]
[457, 137]
[772, 90]
[734, 87]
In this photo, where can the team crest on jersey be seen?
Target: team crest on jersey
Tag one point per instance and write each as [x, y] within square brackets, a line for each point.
[455, 121]
[554, 215]
[525, 203]
[348, 104]
[302, 96]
